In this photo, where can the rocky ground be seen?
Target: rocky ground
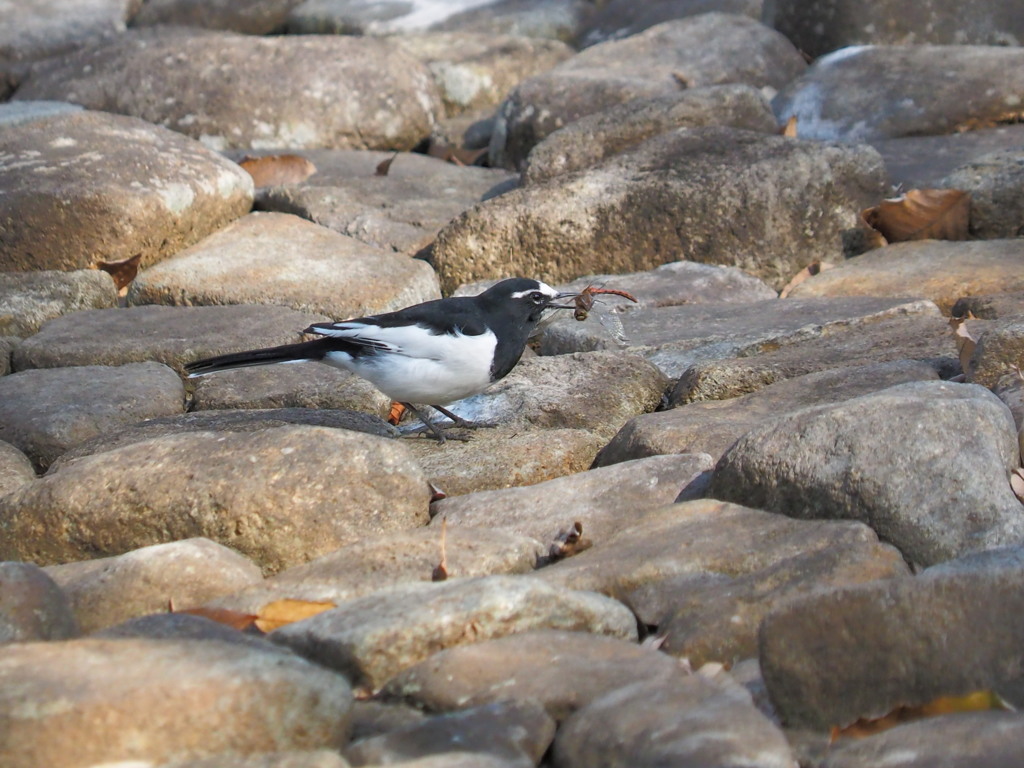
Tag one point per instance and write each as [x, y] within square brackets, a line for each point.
[730, 525]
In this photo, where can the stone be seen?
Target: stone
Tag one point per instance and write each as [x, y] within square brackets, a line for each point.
[20, 112]
[281, 496]
[474, 71]
[603, 501]
[942, 271]
[402, 211]
[182, 574]
[173, 336]
[392, 559]
[50, 27]
[119, 700]
[825, 26]
[315, 758]
[994, 182]
[312, 90]
[280, 259]
[617, 19]
[676, 338]
[658, 61]
[186, 626]
[517, 731]
[555, 19]
[15, 468]
[924, 162]
[586, 142]
[712, 426]
[991, 306]
[707, 572]
[668, 722]
[29, 299]
[46, 411]
[309, 385]
[925, 336]
[1000, 348]
[83, 187]
[32, 606]
[358, 18]
[372, 717]
[966, 738]
[7, 345]
[563, 670]
[892, 643]
[250, 17]
[505, 458]
[226, 421]
[873, 92]
[372, 638]
[837, 461]
[664, 201]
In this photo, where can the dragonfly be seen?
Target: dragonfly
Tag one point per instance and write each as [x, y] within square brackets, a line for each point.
[585, 304]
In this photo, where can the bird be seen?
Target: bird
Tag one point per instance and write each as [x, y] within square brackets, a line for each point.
[432, 354]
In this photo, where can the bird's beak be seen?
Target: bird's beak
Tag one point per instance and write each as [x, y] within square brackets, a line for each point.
[559, 297]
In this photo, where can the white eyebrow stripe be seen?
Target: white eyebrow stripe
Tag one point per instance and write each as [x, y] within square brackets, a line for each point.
[547, 290]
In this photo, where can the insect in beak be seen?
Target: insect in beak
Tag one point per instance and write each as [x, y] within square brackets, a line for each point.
[563, 296]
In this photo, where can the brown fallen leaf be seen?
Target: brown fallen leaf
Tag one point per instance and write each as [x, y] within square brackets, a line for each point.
[385, 165]
[234, 619]
[789, 129]
[456, 155]
[395, 413]
[273, 170]
[123, 272]
[965, 342]
[976, 701]
[922, 214]
[812, 269]
[440, 573]
[287, 611]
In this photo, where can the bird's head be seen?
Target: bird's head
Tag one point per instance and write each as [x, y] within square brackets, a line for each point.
[526, 298]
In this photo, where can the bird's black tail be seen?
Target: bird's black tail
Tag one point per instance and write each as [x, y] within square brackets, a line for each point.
[288, 353]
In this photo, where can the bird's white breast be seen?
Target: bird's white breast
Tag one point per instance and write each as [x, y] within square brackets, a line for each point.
[420, 367]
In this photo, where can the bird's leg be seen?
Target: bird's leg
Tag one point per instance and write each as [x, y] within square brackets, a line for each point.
[458, 421]
[430, 426]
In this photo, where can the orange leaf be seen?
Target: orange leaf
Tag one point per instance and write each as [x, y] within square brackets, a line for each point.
[286, 611]
[273, 170]
[976, 701]
[789, 129]
[123, 271]
[234, 619]
[922, 214]
[810, 270]
[395, 414]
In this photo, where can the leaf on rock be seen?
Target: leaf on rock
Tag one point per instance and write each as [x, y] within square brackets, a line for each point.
[789, 129]
[977, 701]
[385, 165]
[123, 272]
[234, 619]
[456, 155]
[965, 342]
[569, 541]
[395, 413]
[287, 611]
[922, 214]
[812, 269]
[273, 170]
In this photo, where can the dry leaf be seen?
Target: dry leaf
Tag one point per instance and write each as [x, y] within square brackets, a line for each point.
[812, 269]
[965, 342]
[456, 155]
[272, 170]
[234, 619]
[123, 271]
[441, 571]
[287, 611]
[789, 129]
[944, 705]
[385, 165]
[922, 214]
[1017, 482]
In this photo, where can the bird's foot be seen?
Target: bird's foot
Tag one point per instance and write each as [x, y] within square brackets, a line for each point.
[460, 422]
[435, 431]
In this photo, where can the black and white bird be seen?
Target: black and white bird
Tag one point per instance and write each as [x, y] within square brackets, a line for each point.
[429, 354]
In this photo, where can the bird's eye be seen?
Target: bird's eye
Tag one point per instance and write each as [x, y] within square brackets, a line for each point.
[538, 297]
